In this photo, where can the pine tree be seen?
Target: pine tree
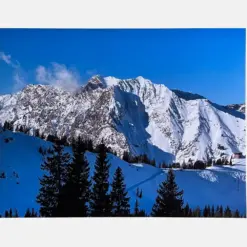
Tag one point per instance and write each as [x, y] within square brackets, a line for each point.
[230, 163]
[190, 213]
[100, 201]
[227, 212]
[197, 212]
[28, 213]
[126, 156]
[42, 136]
[137, 192]
[21, 129]
[186, 210]
[205, 211]
[37, 133]
[209, 211]
[90, 145]
[6, 125]
[236, 214]
[212, 212]
[16, 215]
[221, 211]
[140, 195]
[33, 213]
[184, 165]
[6, 214]
[52, 181]
[136, 209]
[217, 212]
[75, 194]
[142, 213]
[169, 202]
[10, 213]
[119, 199]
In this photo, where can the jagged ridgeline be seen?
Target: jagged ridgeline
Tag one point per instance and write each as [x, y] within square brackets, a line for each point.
[133, 115]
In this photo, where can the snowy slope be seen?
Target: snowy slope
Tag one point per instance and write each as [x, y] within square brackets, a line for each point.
[226, 185]
[132, 114]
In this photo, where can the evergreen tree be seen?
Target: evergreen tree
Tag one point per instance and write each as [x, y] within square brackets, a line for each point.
[142, 213]
[197, 212]
[21, 129]
[33, 213]
[227, 212]
[136, 209]
[27, 214]
[209, 211]
[230, 163]
[217, 212]
[5, 125]
[184, 165]
[212, 212]
[90, 145]
[137, 192]
[53, 180]
[30, 214]
[186, 210]
[64, 141]
[140, 195]
[221, 211]
[100, 201]
[190, 213]
[37, 133]
[236, 214]
[10, 213]
[42, 136]
[126, 156]
[199, 165]
[75, 194]
[169, 201]
[119, 199]
[6, 214]
[205, 211]
[16, 215]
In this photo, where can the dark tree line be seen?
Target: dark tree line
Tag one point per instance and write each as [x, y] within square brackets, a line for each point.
[143, 158]
[198, 164]
[78, 200]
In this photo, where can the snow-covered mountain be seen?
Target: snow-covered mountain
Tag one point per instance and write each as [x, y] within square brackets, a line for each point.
[20, 161]
[131, 114]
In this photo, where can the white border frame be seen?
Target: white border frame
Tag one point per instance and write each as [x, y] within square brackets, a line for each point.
[122, 14]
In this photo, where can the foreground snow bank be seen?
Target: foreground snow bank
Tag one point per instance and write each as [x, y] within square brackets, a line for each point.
[217, 185]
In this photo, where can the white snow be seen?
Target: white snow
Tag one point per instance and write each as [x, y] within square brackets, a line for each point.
[217, 185]
[134, 115]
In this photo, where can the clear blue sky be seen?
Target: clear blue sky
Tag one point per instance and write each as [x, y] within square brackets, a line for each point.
[210, 62]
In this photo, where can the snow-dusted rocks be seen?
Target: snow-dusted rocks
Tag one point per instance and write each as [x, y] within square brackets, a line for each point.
[133, 114]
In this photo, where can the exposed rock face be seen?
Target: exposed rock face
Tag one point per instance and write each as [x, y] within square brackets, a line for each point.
[133, 114]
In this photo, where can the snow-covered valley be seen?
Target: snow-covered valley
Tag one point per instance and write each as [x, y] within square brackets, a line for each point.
[217, 185]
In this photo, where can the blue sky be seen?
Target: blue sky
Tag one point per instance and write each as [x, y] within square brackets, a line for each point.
[210, 62]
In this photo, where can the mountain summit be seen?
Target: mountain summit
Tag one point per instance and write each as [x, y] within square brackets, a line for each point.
[135, 115]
